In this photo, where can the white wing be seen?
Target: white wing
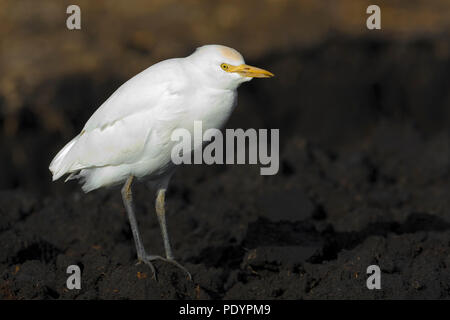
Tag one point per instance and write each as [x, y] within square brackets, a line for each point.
[117, 132]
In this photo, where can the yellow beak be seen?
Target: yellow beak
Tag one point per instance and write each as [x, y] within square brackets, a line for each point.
[249, 71]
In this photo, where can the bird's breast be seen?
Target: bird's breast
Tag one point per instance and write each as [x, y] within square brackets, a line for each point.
[213, 108]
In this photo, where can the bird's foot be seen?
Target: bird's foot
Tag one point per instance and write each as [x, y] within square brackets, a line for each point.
[149, 258]
[147, 262]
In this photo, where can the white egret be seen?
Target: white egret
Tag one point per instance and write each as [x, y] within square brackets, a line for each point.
[129, 136]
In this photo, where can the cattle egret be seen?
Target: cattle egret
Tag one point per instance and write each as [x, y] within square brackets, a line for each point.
[129, 136]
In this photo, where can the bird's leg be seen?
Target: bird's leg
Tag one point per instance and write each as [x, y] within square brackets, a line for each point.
[128, 203]
[161, 213]
[142, 255]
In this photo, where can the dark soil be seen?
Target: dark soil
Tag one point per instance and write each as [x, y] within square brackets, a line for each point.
[364, 179]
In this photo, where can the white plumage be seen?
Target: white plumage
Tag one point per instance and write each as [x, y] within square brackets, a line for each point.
[129, 134]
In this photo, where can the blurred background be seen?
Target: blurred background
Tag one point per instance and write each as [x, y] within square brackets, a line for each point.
[335, 78]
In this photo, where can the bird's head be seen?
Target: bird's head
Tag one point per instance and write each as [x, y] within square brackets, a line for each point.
[224, 67]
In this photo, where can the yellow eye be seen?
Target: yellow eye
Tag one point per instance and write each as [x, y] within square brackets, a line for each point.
[224, 66]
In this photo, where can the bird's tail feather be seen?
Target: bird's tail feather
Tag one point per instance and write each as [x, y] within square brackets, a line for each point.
[57, 166]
